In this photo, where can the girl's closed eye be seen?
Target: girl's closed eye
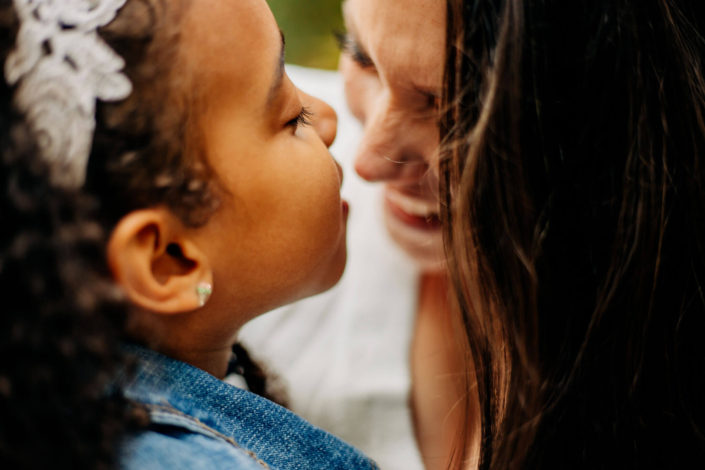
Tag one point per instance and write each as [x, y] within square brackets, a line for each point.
[302, 119]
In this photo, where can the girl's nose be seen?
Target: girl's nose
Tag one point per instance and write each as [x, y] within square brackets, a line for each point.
[324, 121]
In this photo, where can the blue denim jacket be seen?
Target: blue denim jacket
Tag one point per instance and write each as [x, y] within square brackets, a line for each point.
[199, 422]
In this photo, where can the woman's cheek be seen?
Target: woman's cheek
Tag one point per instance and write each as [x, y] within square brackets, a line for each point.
[354, 87]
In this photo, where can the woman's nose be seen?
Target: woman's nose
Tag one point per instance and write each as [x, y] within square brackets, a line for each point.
[388, 150]
[324, 120]
[374, 165]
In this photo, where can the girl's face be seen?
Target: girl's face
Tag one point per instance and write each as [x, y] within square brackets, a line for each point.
[279, 234]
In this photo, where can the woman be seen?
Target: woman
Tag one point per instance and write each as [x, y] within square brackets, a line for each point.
[575, 226]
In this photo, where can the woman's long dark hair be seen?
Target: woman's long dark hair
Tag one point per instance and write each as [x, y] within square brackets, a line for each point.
[574, 192]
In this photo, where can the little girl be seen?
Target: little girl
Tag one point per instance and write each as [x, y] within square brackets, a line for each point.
[215, 186]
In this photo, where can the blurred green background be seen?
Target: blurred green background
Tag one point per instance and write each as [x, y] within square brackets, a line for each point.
[308, 26]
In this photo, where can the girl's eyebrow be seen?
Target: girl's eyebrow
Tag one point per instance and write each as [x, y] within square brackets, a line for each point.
[279, 72]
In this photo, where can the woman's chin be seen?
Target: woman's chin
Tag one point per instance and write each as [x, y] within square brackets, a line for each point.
[422, 243]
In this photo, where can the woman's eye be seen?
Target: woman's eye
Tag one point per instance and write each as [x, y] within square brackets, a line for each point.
[301, 119]
[433, 102]
[349, 46]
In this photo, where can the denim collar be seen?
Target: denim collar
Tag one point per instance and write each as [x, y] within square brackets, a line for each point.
[178, 394]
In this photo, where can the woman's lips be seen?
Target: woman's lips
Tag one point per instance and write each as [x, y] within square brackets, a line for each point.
[415, 212]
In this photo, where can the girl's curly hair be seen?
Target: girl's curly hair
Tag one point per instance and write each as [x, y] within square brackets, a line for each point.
[62, 317]
[60, 324]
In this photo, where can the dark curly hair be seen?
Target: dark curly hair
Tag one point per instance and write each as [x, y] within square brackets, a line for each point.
[60, 325]
[146, 149]
[63, 318]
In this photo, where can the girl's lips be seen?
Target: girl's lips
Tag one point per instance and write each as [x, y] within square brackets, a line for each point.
[346, 208]
[413, 212]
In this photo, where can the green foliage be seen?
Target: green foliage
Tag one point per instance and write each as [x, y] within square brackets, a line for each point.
[308, 26]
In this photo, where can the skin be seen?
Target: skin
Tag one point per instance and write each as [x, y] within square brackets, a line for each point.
[396, 100]
[279, 233]
[392, 63]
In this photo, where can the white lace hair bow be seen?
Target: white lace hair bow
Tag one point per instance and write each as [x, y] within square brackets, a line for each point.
[62, 67]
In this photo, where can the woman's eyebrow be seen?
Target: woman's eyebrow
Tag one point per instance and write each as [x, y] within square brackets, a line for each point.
[279, 72]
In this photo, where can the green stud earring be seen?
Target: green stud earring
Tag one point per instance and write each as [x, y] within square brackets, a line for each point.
[203, 292]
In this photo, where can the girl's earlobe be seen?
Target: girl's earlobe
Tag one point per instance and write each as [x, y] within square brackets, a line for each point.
[156, 263]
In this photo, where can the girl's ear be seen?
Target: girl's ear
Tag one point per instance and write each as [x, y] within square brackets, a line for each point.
[157, 264]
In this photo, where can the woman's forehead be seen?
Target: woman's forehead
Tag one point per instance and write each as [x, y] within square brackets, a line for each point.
[403, 38]
[416, 18]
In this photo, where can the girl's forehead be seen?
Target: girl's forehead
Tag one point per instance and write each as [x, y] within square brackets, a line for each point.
[229, 40]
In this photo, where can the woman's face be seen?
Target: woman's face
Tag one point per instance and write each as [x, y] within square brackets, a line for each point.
[279, 234]
[393, 70]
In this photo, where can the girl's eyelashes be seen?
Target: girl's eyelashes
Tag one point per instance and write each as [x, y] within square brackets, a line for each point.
[302, 119]
[348, 45]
